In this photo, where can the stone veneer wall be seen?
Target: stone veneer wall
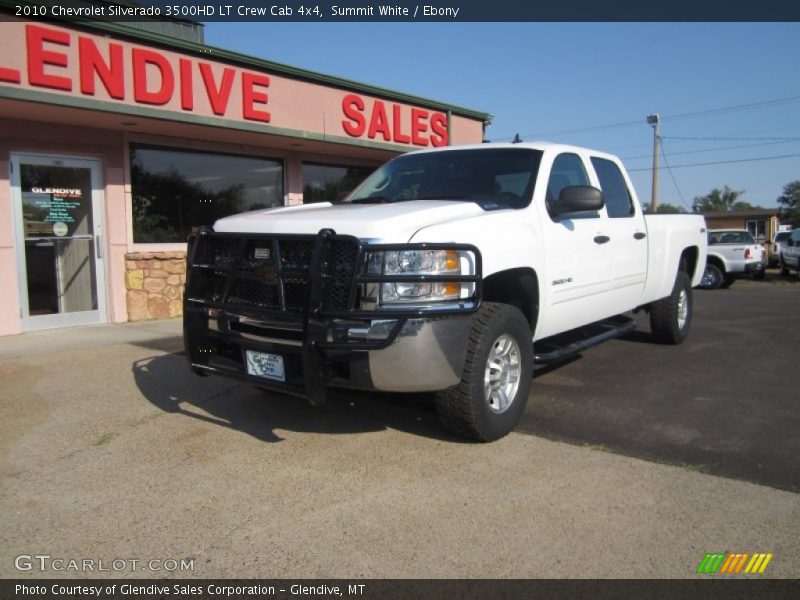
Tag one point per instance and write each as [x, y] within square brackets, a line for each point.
[154, 284]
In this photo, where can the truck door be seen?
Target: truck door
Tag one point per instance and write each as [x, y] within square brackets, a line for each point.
[626, 228]
[578, 259]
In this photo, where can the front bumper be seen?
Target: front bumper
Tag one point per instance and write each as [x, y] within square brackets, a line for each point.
[392, 355]
[418, 348]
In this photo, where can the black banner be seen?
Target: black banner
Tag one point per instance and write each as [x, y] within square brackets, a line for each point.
[438, 589]
[340, 11]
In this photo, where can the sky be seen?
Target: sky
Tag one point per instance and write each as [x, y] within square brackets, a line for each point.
[546, 80]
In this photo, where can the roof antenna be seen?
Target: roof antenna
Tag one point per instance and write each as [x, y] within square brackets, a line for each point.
[517, 139]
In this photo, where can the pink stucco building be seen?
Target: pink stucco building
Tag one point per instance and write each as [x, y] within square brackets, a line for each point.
[116, 142]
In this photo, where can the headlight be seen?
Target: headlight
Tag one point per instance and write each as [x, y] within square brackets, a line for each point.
[419, 292]
[416, 262]
[422, 262]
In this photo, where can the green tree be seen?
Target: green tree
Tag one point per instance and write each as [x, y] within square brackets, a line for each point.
[717, 200]
[790, 201]
[742, 205]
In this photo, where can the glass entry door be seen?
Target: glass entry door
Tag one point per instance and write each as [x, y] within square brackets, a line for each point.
[58, 206]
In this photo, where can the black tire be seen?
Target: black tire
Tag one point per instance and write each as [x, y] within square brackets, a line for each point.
[665, 314]
[784, 269]
[464, 409]
[759, 275]
[713, 277]
[727, 281]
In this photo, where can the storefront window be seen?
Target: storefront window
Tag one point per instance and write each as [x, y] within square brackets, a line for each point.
[326, 183]
[176, 191]
[758, 227]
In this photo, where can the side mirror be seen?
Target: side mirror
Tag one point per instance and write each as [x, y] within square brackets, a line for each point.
[578, 198]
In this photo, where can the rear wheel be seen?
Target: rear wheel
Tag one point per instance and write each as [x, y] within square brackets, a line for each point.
[712, 277]
[671, 317]
[784, 269]
[759, 275]
[489, 401]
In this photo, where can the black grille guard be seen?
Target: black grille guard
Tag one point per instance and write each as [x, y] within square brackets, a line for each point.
[321, 279]
[331, 287]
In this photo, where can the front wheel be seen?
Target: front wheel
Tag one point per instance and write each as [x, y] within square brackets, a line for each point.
[671, 317]
[489, 401]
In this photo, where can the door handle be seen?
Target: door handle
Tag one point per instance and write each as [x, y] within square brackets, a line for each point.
[98, 244]
[601, 239]
[639, 235]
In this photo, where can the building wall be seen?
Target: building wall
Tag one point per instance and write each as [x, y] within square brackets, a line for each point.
[154, 284]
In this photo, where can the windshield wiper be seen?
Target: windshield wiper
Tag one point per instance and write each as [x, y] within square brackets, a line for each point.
[442, 197]
[367, 200]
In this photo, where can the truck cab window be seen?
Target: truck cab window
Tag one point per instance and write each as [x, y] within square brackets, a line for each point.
[567, 170]
[615, 191]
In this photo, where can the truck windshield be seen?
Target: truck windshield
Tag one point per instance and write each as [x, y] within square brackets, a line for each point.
[491, 177]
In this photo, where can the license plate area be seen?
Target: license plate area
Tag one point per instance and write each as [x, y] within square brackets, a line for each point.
[266, 365]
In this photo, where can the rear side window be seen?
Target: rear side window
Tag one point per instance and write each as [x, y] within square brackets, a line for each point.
[730, 237]
[615, 190]
[567, 170]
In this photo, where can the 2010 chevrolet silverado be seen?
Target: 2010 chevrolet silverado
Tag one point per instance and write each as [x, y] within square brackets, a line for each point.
[450, 271]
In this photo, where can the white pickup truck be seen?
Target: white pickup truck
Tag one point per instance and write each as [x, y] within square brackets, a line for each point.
[450, 271]
[732, 253]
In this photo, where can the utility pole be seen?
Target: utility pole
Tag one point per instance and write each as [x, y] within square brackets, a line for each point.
[653, 120]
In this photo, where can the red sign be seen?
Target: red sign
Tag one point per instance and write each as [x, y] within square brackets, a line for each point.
[155, 81]
[421, 128]
[71, 62]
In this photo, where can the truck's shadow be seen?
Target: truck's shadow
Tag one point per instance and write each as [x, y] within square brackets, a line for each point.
[166, 381]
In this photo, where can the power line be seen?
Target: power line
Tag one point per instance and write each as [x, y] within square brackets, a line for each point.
[736, 133]
[689, 115]
[707, 149]
[671, 174]
[751, 105]
[722, 162]
[783, 139]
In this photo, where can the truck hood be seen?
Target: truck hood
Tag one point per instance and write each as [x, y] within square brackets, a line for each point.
[396, 222]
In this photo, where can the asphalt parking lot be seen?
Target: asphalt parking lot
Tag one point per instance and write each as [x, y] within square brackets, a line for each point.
[110, 448]
[726, 402]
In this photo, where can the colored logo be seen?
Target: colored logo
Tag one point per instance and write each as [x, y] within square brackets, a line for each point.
[734, 563]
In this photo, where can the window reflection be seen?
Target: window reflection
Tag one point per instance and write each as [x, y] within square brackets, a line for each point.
[328, 183]
[176, 191]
